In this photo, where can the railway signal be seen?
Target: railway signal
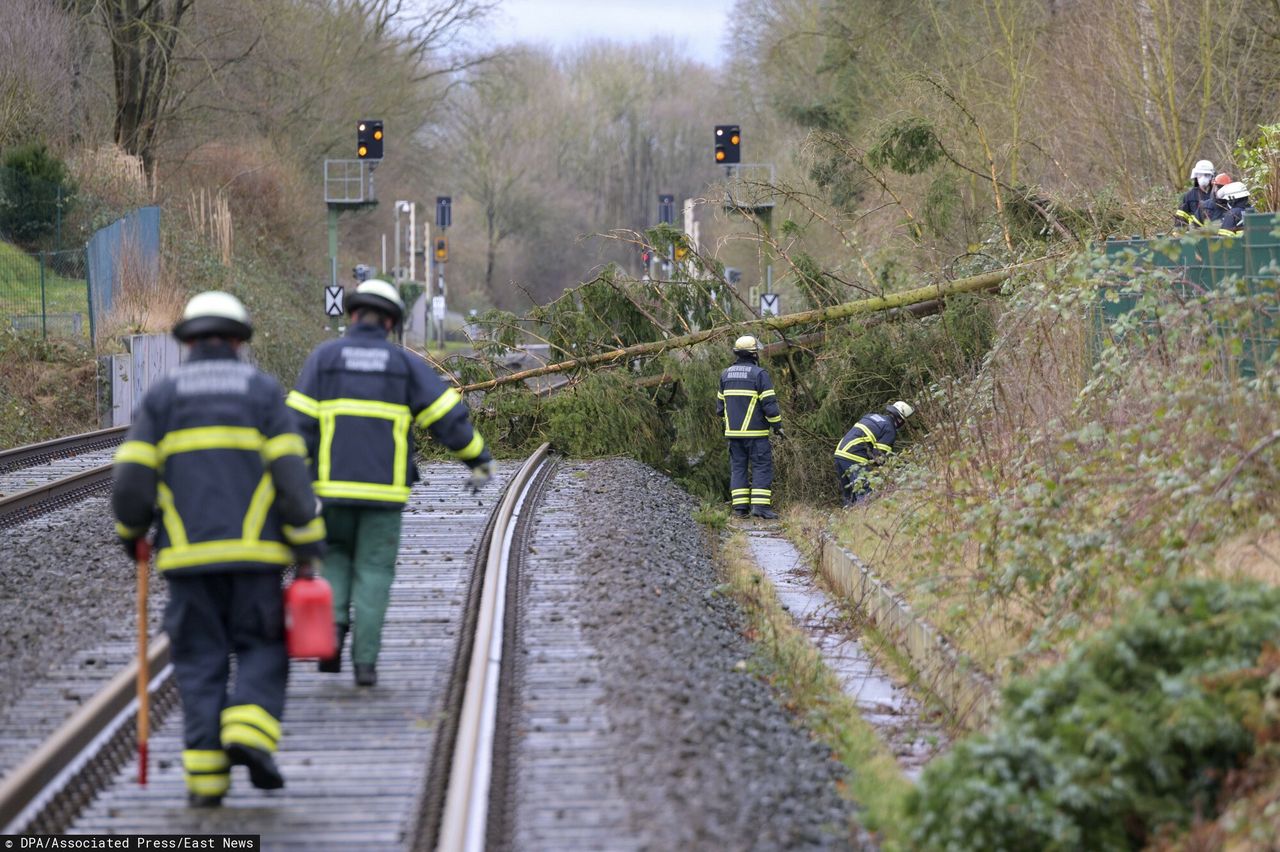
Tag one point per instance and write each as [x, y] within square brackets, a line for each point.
[442, 249]
[728, 148]
[666, 209]
[369, 139]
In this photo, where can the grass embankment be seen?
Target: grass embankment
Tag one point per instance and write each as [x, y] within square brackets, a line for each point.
[795, 668]
[47, 389]
[1059, 488]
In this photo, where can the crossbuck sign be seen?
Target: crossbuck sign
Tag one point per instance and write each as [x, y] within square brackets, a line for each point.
[333, 301]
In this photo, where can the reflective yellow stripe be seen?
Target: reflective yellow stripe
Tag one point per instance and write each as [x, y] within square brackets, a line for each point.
[884, 448]
[474, 448]
[302, 403]
[362, 491]
[851, 457]
[253, 715]
[137, 452]
[210, 438]
[212, 784]
[442, 406]
[256, 516]
[169, 517]
[219, 552]
[740, 491]
[720, 395]
[769, 419]
[287, 444]
[767, 393]
[205, 760]
[740, 393]
[129, 532]
[312, 532]
[364, 408]
[747, 433]
[331, 409]
[241, 734]
[761, 491]
[751, 409]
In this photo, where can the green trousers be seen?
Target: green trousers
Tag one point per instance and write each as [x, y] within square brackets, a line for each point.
[360, 565]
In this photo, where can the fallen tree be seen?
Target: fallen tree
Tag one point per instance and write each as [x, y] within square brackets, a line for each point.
[903, 299]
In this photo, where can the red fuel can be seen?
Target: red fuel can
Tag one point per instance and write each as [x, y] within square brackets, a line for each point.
[309, 632]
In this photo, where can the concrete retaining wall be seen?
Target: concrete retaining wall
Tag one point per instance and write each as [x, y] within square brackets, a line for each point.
[958, 683]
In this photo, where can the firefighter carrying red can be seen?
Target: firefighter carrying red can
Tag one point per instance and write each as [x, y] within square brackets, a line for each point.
[214, 448]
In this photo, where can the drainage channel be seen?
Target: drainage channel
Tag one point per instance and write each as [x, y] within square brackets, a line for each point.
[900, 719]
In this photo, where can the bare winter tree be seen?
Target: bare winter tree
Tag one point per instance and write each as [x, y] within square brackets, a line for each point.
[35, 71]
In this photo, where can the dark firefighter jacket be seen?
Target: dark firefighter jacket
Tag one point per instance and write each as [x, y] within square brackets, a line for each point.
[357, 400]
[213, 444]
[1233, 217]
[746, 401]
[1189, 209]
[870, 438]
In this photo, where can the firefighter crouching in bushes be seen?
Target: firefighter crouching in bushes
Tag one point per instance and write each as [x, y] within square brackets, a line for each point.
[214, 446]
[749, 407]
[356, 403]
[867, 443]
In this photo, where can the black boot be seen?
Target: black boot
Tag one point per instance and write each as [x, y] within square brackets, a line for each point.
[366, 674]
[764, 512]
[263, 772]
[195, 800]
[333, 665]
[743, 512]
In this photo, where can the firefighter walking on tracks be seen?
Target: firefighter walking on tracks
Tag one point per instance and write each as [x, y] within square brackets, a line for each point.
[213, 446]
[749, 408]
[357, 401]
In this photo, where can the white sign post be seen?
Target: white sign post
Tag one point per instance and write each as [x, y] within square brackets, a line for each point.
[437, 308]
[770, 304]
[333, 301]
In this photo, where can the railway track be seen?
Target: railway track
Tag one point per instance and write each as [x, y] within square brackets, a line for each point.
[406, 765]
[39, 478]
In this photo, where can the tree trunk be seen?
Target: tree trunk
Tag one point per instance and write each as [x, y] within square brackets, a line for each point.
[904, 299]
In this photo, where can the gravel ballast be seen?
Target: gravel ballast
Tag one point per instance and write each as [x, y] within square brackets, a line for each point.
[704, 756]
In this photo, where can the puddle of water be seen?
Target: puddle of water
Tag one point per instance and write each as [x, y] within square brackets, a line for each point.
[896, 715]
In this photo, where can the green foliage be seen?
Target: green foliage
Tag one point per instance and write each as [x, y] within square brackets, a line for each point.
[1130, 734]
[34, 190]
[908, 147]
[1258, 157]
[47, 389]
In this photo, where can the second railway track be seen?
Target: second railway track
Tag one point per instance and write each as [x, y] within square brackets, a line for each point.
[41, 477]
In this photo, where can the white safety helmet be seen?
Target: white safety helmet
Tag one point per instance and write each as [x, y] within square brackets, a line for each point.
[214, 314]
[1203, 167]
[1233, 190]
[904, 410]
[746, 343]
[378, 295]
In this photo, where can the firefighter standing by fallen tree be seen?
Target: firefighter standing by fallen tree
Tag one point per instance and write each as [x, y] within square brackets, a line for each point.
[869, 442]
[357, 401]
[749, 407]
[214, 446]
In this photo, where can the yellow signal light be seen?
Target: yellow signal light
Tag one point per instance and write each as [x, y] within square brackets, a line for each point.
[681, 252]
[362, 151]
[719, 156]
[734, 139]
[377, 134]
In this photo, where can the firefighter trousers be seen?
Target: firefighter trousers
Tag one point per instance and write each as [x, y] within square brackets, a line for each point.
[750, 472]
[209, 618]
[854, 487]
[360, 565]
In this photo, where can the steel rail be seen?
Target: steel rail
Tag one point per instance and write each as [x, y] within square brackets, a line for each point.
[29, 794]
[19, 507]
[71, 445]
[466, 805]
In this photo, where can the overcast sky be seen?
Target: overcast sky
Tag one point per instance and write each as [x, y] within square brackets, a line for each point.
[697, 24]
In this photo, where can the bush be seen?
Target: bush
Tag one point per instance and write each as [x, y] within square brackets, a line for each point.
[34, 191]
[1132, 733]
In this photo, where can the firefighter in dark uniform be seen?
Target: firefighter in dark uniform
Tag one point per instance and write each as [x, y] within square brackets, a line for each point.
[356, 403]
[869, 442]
[749, 407]
[213, 446]
[1201, 192]
[1235, 201]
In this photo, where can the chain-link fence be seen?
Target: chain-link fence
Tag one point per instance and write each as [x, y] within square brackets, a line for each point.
[45, 293]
